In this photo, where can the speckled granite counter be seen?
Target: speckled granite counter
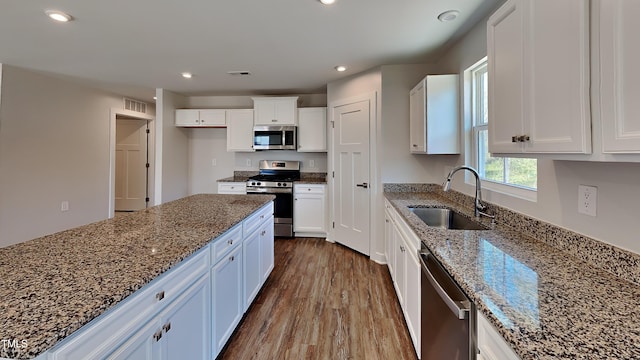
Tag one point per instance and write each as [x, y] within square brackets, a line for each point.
[51, 286]
[305, 178]
[546, 302]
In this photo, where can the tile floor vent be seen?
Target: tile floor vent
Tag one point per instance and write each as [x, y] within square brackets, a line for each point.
[134, 105]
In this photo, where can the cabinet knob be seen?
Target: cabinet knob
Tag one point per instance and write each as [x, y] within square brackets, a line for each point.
[415, 145]
[274, 120]
[514, 139]
[160, 295]
[231, 258]
[263, 232]
[167, 327]
[230, 242]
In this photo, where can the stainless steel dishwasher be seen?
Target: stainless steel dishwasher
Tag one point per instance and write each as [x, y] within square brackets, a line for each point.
[448, 317]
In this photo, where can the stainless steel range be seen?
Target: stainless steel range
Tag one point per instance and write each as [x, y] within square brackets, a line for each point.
[277, 177]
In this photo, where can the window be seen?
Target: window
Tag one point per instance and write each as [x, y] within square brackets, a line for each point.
[514, 172]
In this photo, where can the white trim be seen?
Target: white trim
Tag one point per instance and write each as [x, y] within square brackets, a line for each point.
[114, 112]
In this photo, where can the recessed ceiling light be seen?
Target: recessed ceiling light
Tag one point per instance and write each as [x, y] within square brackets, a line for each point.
[58, 15]
[327, 2]
[341, 68]
[449, 15]
[187, 75]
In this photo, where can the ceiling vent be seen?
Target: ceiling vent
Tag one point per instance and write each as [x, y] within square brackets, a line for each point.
[134, 105]
[239, 72]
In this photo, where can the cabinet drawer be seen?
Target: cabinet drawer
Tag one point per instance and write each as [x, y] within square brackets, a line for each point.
[257, 218]
[308, 189]
[225, 243]
[232, 188]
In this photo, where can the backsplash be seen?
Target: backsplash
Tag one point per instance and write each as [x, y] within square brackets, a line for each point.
[622, 263]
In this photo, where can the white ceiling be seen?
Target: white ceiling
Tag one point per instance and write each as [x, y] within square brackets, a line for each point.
[290, 46]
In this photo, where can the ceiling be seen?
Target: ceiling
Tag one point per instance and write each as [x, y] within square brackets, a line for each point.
[289, 46]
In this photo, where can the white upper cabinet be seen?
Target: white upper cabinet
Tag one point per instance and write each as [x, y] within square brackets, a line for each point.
[538, 54]
[620, 75]
[275, 110]
[201, 117]
[312, 129]
[240, 130]
[433, 115]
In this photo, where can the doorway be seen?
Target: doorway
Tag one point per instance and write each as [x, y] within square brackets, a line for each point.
[132, 164]
[351, 165]
[131, 144]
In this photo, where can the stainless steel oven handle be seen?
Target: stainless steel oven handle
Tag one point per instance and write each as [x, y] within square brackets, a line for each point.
[270, 191]
[458, 308]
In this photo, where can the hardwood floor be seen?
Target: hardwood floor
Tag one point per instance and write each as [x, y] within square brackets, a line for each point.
[322, 301]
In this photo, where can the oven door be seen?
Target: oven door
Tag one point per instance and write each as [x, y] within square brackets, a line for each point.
[282, 209]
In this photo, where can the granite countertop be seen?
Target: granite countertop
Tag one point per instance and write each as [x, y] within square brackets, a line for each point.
[305, 178]
[53, 285]
[546, 303]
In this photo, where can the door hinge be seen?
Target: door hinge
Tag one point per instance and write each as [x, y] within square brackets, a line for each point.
[333, 123]
[333, 224]
[147, 165]
[148, 131]
[146, 199]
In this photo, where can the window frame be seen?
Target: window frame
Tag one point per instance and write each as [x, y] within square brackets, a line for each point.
[474, 109]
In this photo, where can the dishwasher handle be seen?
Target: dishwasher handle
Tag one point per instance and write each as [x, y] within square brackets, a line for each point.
[459, 308]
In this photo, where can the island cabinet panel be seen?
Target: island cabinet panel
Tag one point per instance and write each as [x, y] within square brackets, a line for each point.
[180, 331]
[191, 310]
[130, 318]
[227, 305]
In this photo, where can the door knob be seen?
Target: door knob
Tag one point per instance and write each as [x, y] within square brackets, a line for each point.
[363, 185]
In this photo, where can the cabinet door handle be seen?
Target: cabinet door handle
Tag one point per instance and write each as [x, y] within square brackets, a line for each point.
[160, 295]
[230, 242]
[263, 232]
[158, 335]
[363, 185]
[231, 258]
[415, 145]
[167, 327]
[514, 139]
[274, 120]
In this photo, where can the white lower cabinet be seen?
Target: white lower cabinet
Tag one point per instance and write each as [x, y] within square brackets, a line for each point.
[404, 266]
[491, 346]
[180, 331]
[257, 255]
[228, 305]
[190, 311]
[232, 188]
[310, 210]
[251, 254]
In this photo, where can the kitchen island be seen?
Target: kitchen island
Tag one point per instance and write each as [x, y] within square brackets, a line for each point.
[54, 285]
[538, 285]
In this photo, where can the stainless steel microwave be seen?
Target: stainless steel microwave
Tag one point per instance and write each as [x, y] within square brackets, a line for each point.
[274, 138]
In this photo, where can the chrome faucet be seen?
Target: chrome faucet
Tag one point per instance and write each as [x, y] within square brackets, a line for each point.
[479, 207]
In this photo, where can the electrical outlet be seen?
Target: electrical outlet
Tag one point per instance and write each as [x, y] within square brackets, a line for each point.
[587, 200]
[64, 206]
[248, 162]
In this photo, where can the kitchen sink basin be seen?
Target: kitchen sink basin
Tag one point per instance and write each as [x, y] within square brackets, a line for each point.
[446, 219]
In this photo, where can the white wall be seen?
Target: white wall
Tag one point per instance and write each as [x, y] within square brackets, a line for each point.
[172, 174]
[618, 184]
[208, 144]
[54, 147]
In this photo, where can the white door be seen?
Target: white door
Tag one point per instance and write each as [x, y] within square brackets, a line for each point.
[131, 160]
[351, 179]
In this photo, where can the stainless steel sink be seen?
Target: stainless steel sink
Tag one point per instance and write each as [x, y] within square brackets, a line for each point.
[446, 219]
